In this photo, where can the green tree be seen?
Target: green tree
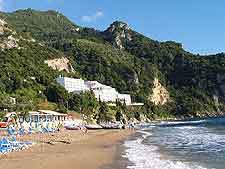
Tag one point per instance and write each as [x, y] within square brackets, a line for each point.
[2, 115]
[56, 93]
[104, 114]
[74, 102]
[119, 113]
[89, 105]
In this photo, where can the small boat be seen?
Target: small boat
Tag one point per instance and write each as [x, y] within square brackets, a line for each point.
[93, 126]
[111, 126]
[72, 127]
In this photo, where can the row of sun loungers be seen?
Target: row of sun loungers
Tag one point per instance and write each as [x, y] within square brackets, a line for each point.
[9, 143]
[21, 131]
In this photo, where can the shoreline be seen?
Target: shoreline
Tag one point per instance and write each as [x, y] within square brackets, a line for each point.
[70, 149]
[119, 161]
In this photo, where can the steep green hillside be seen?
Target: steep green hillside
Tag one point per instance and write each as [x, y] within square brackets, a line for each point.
[23, 72]
[41, 24]
[195, 82]
[189, 85]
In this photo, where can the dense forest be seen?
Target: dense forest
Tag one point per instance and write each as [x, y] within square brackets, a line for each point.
[118, 56]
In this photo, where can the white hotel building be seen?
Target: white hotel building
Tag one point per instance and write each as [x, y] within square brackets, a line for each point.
[102, 92]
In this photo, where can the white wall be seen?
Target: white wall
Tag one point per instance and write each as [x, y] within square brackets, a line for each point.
[125, 97]
[106, 94]
[102, 92]
[72, 85]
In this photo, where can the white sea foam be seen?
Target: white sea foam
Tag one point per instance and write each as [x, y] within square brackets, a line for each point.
[182, 122]
[188, 127]
[148, 157]
[145, 134]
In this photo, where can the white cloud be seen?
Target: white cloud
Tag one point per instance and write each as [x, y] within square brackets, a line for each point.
[90, 18]
[1, 5]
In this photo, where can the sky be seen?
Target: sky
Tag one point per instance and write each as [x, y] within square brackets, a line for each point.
[198, 24]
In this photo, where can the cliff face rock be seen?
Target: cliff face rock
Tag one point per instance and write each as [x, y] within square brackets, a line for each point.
[9, 42]
[160, 95]
[60, 64]
[2, 24]
[118, 33]
[193, 78]
[221, 84]
[136, 79]
[7, 39]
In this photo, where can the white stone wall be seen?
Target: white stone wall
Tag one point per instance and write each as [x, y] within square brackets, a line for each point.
[106, 94]
[125, 97]
[72, 85]
[102, 92]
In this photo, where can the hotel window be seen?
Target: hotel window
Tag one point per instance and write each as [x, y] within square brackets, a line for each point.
[35, 118]
[28, 119]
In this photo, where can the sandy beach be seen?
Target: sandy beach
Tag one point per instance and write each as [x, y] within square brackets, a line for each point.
[69, 150]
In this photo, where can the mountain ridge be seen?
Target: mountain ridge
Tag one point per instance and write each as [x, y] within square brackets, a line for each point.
[131, 62]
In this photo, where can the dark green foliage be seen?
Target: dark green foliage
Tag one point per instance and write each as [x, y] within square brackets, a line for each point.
[119, 111]
[104, 113]
[193, 81]
[62, 108]
[74, 102]
[2, 115]
[42, 25]
[103, 63]
[89, 105]
[56, 93]
[119, 115]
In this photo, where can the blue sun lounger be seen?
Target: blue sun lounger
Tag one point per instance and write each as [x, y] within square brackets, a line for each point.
[5, 146]
[11, 132]
[21, 132]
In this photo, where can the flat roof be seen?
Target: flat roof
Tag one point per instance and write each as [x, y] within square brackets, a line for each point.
[52, 112]
[36, 113]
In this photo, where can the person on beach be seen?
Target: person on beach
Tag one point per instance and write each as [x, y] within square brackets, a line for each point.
[131, 125]
[83, 129]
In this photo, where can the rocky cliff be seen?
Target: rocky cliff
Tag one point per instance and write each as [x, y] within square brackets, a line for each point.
[7, 36]
[60, 64]
[159, 96]
[187, 85]
[117, 33]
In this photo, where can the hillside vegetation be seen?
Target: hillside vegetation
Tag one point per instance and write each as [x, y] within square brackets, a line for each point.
[119, 57]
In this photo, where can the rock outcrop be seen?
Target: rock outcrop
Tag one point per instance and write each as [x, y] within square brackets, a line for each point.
[118, 32]
[160, 95]
[7, 39]
[221, 86]
[2, 24]
[60, 64]
[9, 42]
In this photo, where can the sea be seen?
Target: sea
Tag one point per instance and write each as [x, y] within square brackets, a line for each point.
[197, 144]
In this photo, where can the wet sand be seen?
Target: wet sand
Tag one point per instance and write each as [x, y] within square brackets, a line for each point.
[69, 150]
